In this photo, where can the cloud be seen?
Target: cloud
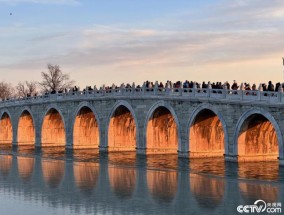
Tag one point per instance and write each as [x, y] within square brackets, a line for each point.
[65, 2]
[229, 33]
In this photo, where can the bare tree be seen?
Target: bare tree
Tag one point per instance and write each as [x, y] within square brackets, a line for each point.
[27, 88]
[6, 90]
[54, 79]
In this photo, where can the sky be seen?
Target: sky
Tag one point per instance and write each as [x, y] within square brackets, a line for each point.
[123, 41]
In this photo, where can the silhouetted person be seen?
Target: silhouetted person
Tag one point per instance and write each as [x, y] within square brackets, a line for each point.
[270, 86]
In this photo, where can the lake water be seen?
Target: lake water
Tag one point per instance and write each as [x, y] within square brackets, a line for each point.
[53, 181]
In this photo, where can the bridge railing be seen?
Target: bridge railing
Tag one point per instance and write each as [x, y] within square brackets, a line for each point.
[242, 95]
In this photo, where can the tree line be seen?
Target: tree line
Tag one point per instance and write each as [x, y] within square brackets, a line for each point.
[52, 80]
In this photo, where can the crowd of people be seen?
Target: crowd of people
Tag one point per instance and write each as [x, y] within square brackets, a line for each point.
[149, 86]
[190, 84]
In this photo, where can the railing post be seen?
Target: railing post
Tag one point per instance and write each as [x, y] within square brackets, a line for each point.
[280, 93]
[156, 86]
[194, 89]
[224, 91]
[260, 89]
[209, 88]
[133, 88]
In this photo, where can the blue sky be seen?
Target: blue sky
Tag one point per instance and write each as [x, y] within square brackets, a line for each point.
[115, 41]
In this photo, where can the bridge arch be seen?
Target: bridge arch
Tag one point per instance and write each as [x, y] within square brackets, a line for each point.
[207, 120]
[160, 113]
[6, 127]
[261, 126]
[26, 127]
[122, 128]
[85, 127]
[53, 127]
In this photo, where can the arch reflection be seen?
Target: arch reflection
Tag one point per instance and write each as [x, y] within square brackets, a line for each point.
[122, 181]
[259, 170]
[214, 166]
[86, 175]
[5, 164]
[162, 185]
[53, 172]
[25, 167]
[252, 192]
[208, 192]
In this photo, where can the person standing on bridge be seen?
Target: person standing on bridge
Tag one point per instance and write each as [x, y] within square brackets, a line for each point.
[235, 85]
[270, 86]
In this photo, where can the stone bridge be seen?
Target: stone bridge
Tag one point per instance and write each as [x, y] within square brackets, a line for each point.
[237, 124]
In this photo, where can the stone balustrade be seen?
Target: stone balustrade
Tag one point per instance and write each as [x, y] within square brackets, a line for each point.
[181, 93]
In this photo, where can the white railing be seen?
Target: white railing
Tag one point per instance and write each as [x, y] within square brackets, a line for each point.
[242, 95]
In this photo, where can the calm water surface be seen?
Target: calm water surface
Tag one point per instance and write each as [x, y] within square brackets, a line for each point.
[53, 181]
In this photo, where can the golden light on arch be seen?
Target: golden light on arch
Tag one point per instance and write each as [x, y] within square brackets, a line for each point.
[6, 130]
[206, 135]
[26, 129]
[122, 130]
[53, 130]
[86, 129]
[257, 140]
[162, 134]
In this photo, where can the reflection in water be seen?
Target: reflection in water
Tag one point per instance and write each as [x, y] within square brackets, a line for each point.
[128, 184]
[163, 185]
[5, 164]
[86, 175]
[252, 192]
[122, 158]
[53, 172]
[259, 170]
[214, 166]
[25, 167]
[91, 155]
[53, 152]
[165, 162]
[122, 181]
[209, 192]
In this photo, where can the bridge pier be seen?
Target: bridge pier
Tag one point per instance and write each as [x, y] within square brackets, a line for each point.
[281, 162]
[231, 158]
[141, 151]
[103, 149]
[183, 154]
